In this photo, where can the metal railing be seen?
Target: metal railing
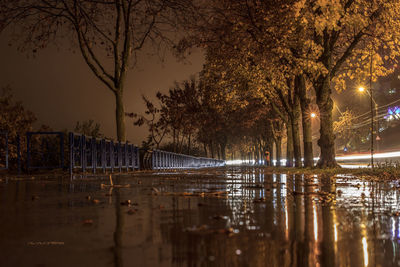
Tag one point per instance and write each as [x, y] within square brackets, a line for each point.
[162, 160]
[93, 153]
[47, 150]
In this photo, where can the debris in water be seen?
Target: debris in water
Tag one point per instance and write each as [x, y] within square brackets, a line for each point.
[126, 203]
[87, 222]
[132, 211]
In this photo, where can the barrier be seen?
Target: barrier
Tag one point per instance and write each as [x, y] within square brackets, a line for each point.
[89, 153]
[45, 150]
[161, 160]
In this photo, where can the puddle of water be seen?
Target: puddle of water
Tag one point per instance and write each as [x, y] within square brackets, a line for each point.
[217, 217]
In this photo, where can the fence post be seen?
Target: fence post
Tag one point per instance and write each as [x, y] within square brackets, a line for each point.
[83, 153]
[94, 154]
[126, 146]
[71, 153]
[119, 151]
[103, 154]
[62, 150]
[112, 162]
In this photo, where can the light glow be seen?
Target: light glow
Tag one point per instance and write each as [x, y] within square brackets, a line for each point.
[367, 156]
[315, 223]
[365, 251]
[394, 154]
[361, 89]
[313, 115]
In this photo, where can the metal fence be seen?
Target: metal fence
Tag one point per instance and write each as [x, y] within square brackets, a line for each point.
[101, 154]
[47, 150]
[161, 160]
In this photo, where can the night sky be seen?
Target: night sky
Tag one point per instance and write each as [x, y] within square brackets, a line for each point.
[60, 89]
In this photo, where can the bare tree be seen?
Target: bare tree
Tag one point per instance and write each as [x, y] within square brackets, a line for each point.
[108, 33]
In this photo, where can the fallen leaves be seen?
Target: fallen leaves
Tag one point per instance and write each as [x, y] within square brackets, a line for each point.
[198, 194]
[87, 222]
[132, 211]
[126, 203]
[206, 230]
[115, 185]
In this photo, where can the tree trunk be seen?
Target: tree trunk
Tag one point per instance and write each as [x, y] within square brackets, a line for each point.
[289, 144]
[305, 103]
[120, 116]
[223, 151]
[269, 147]
[188, 145]
[278, 152]
[296, 133]
[181, 144]
[174, 139]
[327, 137]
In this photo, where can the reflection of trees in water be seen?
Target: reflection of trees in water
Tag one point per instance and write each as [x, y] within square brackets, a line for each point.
[119, 224]
[295, 225]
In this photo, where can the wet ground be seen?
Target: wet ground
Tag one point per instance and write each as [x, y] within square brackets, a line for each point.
[215, 217]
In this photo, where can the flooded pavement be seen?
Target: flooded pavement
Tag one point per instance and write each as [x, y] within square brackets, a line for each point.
[216, 217]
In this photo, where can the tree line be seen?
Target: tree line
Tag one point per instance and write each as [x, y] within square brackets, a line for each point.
[276, 59]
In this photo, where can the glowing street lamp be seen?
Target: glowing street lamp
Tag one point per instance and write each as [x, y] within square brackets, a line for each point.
[313, 115]
[372, 100]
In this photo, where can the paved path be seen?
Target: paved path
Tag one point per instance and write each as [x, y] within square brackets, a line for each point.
[214, 217]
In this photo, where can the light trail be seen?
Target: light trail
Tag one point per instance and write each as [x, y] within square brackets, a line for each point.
[394, 154]
[385, 155]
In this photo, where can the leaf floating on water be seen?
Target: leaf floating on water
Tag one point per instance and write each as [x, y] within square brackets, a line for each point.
[155, 191]
[115, 185]
[220, 217]
[88, 222]
[132, 211]
[197, 228]
[122, 186]
[126, 203]
[204, 229]
[259, 200]
[198, 194]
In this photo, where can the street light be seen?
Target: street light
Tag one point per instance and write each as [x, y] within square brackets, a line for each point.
[372, 101]
[313, 115]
